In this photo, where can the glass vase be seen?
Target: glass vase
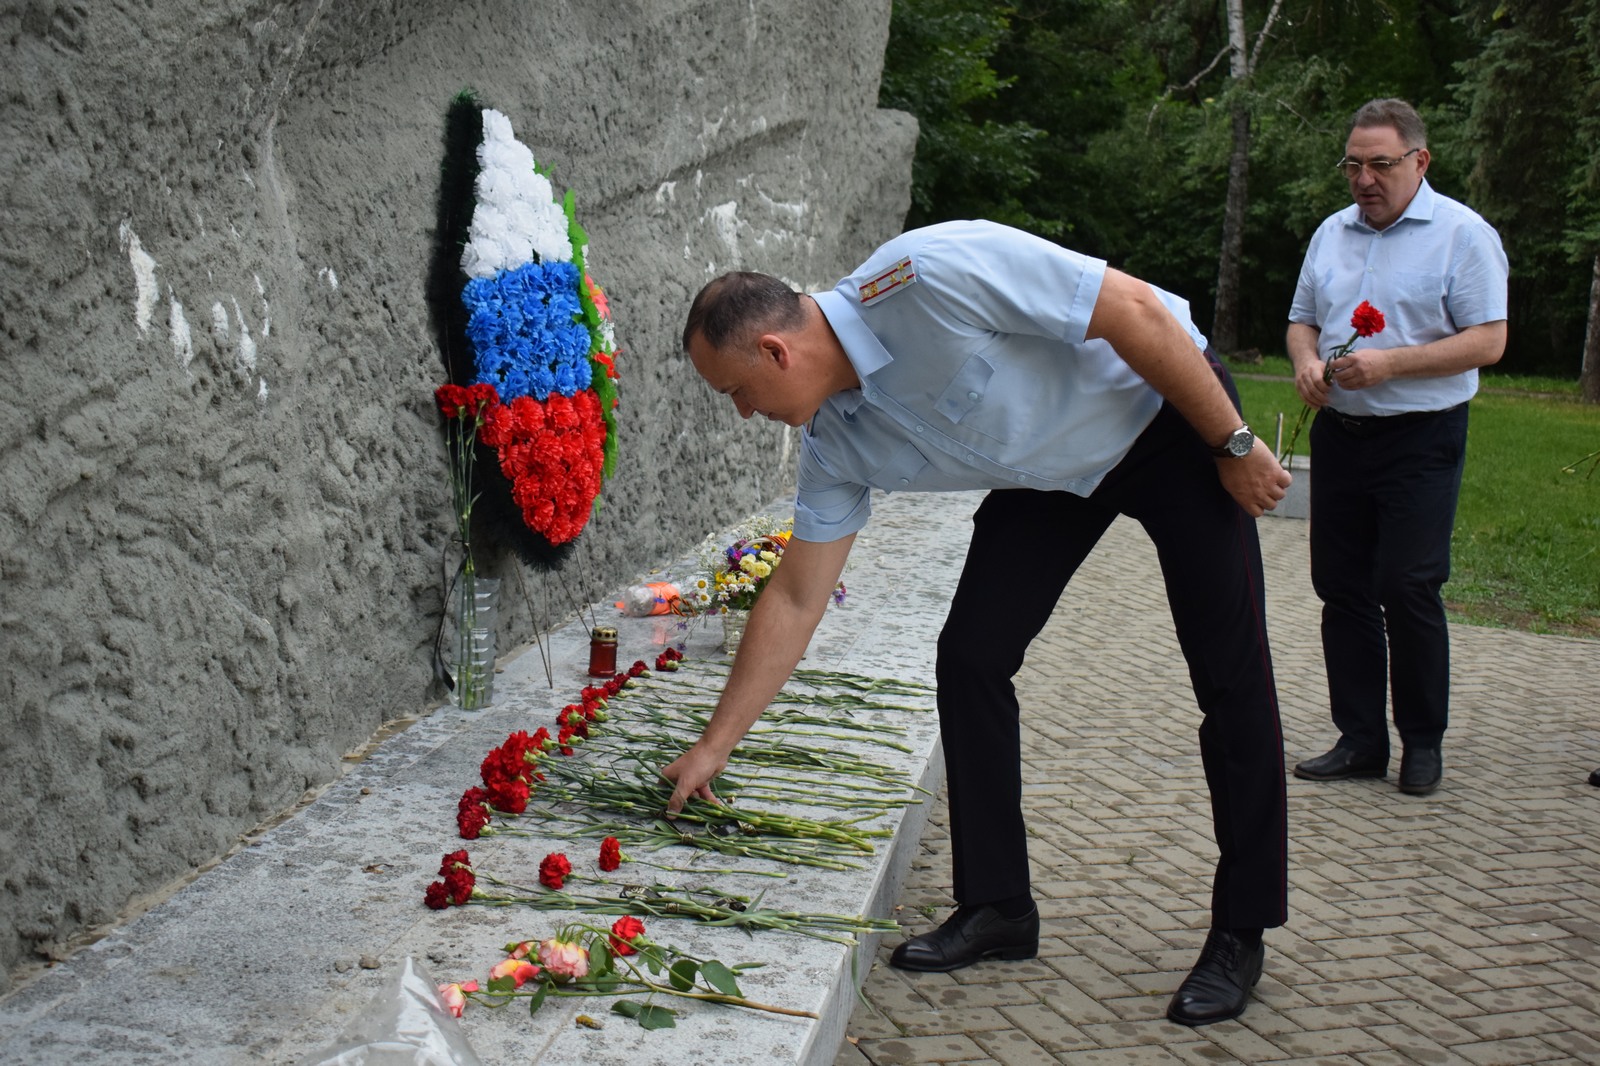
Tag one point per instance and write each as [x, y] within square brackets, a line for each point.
[473, 608]
[733, 623]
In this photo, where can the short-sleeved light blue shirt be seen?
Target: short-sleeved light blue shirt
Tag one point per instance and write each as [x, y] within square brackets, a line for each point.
[969, 340]
[1437, 269]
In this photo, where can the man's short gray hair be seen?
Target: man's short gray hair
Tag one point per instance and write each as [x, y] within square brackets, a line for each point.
[1398, 114]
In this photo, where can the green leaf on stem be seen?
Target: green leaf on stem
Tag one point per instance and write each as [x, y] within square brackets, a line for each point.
[654, 959]
[503, 984]
[721, 978]
[654, 1017]
[600, 962]
[683, 973]
[538, 998]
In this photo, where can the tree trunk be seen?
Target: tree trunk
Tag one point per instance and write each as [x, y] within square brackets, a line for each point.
[1225, 326]
[1589, 377]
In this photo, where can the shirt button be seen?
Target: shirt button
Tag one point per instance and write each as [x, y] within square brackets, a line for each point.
[919, 429]
[970, 457]
[905, 481]
[972, 396]
[1022, 477]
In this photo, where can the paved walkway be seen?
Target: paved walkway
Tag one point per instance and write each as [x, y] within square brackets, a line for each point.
[1463, 927]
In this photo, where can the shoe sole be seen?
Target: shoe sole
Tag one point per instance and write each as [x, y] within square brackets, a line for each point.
[997, 955]
[1420, 790]
[1304, 776]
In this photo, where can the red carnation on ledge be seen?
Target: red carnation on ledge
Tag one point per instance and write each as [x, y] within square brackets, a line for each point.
[553, 870]
[458, 883]
[610, 854]
[625, 934]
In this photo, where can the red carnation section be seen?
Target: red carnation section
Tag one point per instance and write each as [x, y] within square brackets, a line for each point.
[1367, 320]
[553, 453]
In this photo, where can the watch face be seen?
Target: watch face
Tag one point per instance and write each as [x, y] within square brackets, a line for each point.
[1241, 442]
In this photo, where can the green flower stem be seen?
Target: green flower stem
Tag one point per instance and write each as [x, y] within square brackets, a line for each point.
[643, 985]
[725, 910]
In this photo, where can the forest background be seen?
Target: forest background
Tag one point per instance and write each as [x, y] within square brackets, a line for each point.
[1192, 142]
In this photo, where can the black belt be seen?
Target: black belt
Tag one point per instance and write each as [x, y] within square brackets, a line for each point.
[1363, 425]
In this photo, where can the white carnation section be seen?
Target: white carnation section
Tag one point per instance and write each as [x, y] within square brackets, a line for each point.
[516, 219]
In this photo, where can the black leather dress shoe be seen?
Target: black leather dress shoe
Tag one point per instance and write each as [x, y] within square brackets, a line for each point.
[1342, 763]
[1420, 770]
[1594, 779]
[967, 936]
[1219, 985]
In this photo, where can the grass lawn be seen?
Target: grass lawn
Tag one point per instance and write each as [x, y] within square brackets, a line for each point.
[1526, 550]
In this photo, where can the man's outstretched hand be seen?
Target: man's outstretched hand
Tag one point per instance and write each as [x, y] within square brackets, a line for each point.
[691, 775]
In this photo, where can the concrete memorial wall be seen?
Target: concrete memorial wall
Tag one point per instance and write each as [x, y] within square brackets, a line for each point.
[224, 505]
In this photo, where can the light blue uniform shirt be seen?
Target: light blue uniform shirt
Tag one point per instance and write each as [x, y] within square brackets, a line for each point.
[969, 340]
[1437, 269]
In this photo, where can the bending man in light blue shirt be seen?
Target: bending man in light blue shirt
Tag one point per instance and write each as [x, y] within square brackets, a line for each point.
[1390, 440]
[971, 355]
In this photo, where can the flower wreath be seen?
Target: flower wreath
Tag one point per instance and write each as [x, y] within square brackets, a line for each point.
[520, 314]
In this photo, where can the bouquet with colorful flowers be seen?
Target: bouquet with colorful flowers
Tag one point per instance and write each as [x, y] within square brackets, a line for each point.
[735, 573]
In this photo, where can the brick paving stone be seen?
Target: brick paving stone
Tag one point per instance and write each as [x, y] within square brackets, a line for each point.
[910, 1050]
[1014, 1048]
[1584, 1046]
[1441, 975]
[1517, 1052]
[1346, 1041]
[1121, 1056]
[1511, 1024]
[1412, 1045]
[1047, 1027]
[1437, 1027]
[1071, 1002]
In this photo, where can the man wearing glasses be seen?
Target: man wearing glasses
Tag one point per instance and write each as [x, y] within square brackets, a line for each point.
[1389, 441]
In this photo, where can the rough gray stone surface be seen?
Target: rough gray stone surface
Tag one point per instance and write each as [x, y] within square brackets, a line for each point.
[223, 496]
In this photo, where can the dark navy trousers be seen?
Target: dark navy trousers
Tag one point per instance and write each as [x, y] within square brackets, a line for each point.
[1211, 563]
[1383, 503]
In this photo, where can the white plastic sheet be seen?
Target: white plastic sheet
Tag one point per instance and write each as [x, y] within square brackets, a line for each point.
[406, 1024]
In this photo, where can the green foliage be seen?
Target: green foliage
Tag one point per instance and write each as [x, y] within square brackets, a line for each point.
[1104, 124]
[1523, 92]
[938, 69]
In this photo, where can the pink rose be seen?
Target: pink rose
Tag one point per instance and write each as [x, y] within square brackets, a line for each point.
[564, 959]
[519, 970]
[454, 996]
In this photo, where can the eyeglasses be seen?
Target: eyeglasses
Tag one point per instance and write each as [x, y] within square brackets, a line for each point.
[1351, 168]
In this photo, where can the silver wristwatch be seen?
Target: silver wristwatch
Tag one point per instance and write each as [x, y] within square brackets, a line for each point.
[1238, 444]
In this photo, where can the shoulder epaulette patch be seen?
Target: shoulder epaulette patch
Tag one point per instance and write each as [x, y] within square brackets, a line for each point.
[890, 281]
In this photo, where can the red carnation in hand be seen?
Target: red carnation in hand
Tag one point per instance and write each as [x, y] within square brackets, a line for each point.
[610, 854]
[624, 932]
[554, 869]
[1367, 320]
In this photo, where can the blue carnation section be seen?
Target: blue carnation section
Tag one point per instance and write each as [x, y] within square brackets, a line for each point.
[526, 330]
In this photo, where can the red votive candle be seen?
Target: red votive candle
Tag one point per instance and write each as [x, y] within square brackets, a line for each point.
[602, 652]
